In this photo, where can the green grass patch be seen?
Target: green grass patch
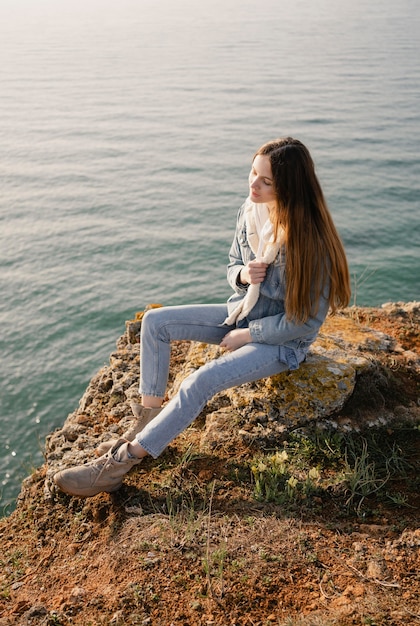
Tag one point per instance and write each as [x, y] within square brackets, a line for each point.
[353, 467]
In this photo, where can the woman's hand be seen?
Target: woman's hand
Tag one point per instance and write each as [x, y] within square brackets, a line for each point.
[236, 339]
[253, 273]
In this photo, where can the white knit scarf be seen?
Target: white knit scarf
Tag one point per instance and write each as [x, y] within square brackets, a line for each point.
[259, 231]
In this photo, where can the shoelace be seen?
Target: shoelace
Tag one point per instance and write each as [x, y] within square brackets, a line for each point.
[105, 466]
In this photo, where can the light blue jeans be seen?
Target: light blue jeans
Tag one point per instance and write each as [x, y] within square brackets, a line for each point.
[202, 323]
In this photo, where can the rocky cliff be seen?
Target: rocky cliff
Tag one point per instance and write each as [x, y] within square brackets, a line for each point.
[351, 378]
[105, 560]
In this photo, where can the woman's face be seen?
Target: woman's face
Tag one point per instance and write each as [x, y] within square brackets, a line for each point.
[261, 184]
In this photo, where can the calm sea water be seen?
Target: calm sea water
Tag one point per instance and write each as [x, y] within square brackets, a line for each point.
[126, 134]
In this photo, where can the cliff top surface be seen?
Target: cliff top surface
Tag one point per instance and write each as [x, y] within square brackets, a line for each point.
[294, 500]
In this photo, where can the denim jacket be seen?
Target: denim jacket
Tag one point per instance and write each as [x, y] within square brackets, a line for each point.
[267, 320]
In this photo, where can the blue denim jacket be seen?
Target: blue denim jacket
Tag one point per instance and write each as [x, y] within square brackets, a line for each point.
[267, 320]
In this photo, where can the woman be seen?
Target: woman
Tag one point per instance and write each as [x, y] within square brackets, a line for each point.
[287, 269]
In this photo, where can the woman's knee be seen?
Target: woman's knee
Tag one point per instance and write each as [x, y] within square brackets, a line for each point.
[151, 320]
[202, 382]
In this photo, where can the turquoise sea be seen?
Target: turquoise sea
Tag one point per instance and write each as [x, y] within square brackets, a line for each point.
[126, 135]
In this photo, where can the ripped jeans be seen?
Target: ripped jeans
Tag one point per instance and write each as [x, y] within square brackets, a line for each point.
[202, 323]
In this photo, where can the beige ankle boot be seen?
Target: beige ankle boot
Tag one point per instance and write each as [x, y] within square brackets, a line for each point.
[103, 474]
[143, 416]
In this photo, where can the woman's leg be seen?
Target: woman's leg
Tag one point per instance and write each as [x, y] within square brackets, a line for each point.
[202, 322]
[251, 362]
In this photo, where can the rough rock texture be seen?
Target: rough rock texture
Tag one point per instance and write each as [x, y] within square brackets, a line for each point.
[346, 355]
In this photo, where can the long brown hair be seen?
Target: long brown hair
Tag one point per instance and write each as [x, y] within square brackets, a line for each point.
[315, 255]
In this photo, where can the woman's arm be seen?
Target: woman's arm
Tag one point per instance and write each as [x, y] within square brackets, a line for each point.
[236, 260]
[277, 329]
